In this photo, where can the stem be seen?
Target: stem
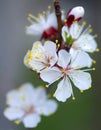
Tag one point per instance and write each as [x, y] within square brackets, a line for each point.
[59, 21]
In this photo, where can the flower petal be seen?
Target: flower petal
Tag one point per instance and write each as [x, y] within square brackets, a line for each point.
[31, 120]
[64, 90]
[63, 58]
[81, 80]
[50, 47]
[50, 75]
[64, 31]
[35, 29]
[51, 20]
[13, 113]
[80, 59]
[48, 108]
[40, 96]
[75, 30]
[86, 42]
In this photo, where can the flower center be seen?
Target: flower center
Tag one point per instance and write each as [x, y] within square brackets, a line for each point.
[29, 110]
[49, 33]
[65, 70]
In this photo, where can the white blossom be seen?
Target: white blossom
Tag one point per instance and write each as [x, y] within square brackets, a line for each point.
[41, 56]
[26, 104]
[44, 26]
[81, 40]
[67, 69]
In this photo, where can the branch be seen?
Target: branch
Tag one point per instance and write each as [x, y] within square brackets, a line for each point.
[59, 21]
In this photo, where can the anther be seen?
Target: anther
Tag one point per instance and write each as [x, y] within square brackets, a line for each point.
[47, 86]
[93, 68]
[81, 91]
[97, 50]
[73, 98]
[94, 61]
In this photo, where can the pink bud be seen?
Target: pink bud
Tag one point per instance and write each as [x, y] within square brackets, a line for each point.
[74, 14]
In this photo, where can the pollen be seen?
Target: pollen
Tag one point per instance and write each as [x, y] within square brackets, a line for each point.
[97, 50]
[36, 46]
[94, 69]
[73, 98]
[94, 61]
[84, 22]
[58, 45]
[90, 30]
[47, 86]
[56, 41]
[49, 7]
[29, 57]
[81, 91]
[17, 122]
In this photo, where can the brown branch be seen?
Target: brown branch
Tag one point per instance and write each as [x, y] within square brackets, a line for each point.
[59, 21]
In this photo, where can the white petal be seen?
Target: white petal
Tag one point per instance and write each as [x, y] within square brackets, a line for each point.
[78, 12]
[64, 58]
[37, 65]
[50, 47]
[35, 29]
[40, 96]
[51, 20]
[31, 120]
[65, 30]
[38, 45]
[49, 107]
[64, 90]
[75, 30]
[21, 96]
[50, 75]
[80, 59]
[13, 99]
[13, 113]
[81, 80]
[87, 43]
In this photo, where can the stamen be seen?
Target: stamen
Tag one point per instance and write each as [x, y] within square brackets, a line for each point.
[73, 98]
[17, 122]
[47, 86]
[89, 69]
[49, 7]
[30, 20]
[33, 17]
[94, 61]
[56, 41]
[81, 91]
[84, 23]
[97, 50]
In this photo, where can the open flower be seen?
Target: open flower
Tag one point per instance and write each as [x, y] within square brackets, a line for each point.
[27, 103]
[44, 26]
[41, 56]
[79, 40]
[67, 69]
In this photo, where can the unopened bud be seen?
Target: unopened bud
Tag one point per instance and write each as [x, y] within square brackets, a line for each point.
[74, 14]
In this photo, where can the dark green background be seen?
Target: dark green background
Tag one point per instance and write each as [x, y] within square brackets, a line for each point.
[82, 114]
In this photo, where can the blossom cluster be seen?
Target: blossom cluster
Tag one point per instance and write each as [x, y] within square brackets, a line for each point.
[67, 60]
[62, 55]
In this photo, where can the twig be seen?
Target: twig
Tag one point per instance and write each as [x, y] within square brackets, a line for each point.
[59, 21]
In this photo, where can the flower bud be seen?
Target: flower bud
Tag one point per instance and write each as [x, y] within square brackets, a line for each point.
[74, 14]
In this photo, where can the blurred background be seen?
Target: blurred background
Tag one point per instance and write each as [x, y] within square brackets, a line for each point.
[82, 114]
